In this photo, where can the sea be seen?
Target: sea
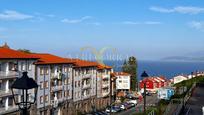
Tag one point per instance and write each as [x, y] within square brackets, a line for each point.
[169, 69]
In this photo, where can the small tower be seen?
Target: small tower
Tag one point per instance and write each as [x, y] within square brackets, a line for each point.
[5, 46]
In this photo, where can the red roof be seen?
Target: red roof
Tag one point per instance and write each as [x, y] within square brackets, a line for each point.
[51, 59]
[102, 66]
[7, 53]
[83, 63]
[120, 74]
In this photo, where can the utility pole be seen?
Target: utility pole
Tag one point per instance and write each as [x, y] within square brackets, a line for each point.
[144, 98]
[144, 75]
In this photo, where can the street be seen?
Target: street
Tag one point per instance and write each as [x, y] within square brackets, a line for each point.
[150, 101]
[195, 103]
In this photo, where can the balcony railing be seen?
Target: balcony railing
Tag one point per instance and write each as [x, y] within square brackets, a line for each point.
[86, 86]
[85, 96]
[8, 75]
[86, 76]
[105, 84]
[4, 93]
[8, 110]
[105, 93]
[56, 88]
[105, 76]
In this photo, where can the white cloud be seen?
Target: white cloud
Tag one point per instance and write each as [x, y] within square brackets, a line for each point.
[74, 21]
[139, 23]
[197, 25]
[179, 9]
[14, 15]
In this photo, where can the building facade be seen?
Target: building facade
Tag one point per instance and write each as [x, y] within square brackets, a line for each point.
[12, 64]
[66, 86]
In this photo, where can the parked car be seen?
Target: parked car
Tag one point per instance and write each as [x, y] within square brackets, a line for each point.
[125, 106]
[134, 102]
[113, 109]
[131, 96]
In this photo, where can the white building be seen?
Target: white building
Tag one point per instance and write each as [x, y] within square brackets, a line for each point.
[122, 81]
[179, 78]
[12, 64]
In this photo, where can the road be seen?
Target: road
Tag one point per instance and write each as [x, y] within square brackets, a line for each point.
[151, 101]
[196, 102]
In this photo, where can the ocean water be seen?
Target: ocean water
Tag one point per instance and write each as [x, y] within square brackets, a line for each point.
[167, 69]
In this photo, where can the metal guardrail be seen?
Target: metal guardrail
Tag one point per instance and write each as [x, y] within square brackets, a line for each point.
[175, 108]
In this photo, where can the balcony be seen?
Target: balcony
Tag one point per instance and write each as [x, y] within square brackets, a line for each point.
[105, 76]
[85, 96]
[8, 110]
[86, 86]
[56, 88]
[56, 76]
[8, 75]
[86, 76]
[105, 93]
[105, 85]
[4, 93]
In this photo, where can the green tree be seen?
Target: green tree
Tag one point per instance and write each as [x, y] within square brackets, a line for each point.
[25, 50]
[130, 67]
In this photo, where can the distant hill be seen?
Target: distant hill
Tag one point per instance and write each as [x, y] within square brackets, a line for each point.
[184, 58]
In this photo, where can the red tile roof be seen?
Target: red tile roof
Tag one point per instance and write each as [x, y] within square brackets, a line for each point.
[51, 59]
[83, 63]
[102, 66]
[120, 74]
[7, 53]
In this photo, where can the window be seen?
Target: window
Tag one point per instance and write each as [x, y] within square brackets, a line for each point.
[65, 82]
[46, 84]
[46, 98]
[41, 85]
[30, 66]
[23, 66]
[75, 95]
[68, 93]
[65, 94]
[41, 71]
[44, 70]
[75, 84]
[41, 99]
[65, 69]
[78, 83]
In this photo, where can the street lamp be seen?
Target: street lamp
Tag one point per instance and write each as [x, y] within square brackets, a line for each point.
[24, 84]
[112, 79]
[143, 76]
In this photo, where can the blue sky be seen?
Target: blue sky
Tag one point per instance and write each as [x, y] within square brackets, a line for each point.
[150, 29]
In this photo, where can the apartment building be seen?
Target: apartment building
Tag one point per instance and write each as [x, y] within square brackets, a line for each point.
[66, 86]
[103, 85]
[54, 76]
[12, 64]
[84, 85]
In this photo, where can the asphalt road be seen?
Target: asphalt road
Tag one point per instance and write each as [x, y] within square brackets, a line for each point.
[196, 102]
[150, 100]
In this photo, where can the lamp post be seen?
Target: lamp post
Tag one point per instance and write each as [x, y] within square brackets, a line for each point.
[112, 79]
[24, 84]
[143, 76]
